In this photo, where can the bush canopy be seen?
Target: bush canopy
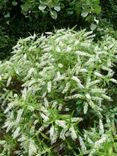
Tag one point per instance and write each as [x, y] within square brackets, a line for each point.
[54, 96]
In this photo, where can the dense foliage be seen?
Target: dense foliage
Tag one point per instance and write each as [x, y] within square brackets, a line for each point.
[109, 9]
[19, 18]
[58, 80]
[55, 97]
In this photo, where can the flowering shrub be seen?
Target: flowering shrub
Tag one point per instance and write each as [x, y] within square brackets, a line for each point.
[53, 91]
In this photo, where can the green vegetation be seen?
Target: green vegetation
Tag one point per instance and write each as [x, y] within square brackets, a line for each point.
[21, 18]
[53, 92]
[58, 78]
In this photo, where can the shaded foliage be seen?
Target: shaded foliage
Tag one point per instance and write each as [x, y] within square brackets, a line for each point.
[21, 18]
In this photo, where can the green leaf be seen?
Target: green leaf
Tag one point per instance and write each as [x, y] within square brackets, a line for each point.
[14, 3]
[42, 7]
[84, 14]
[93, 26]
[57, 8]
[53, 14]
[7, 15]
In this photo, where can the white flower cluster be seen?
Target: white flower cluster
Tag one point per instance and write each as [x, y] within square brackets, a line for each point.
[47, 81]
